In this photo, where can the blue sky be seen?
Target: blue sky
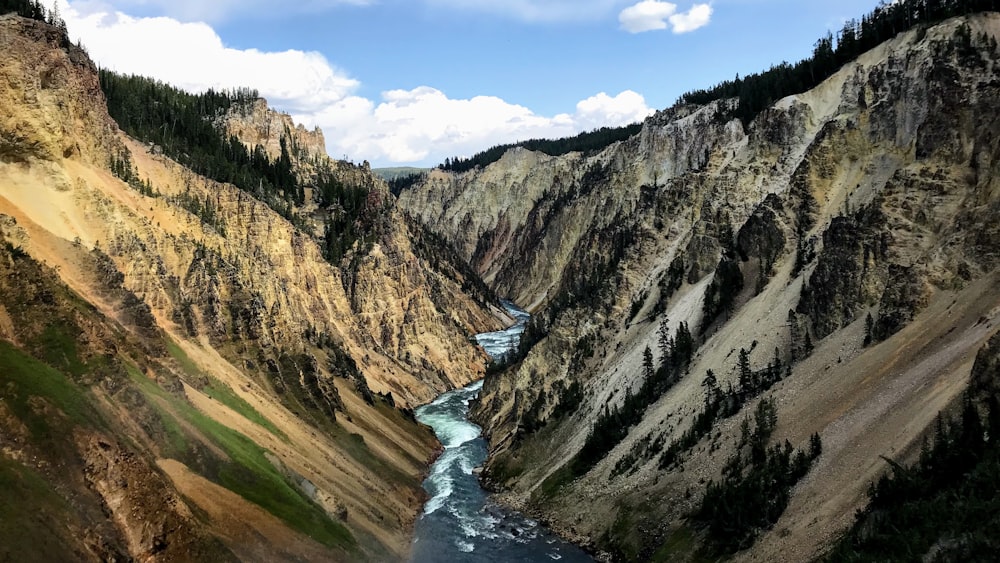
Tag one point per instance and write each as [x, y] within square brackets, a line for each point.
[409, 82]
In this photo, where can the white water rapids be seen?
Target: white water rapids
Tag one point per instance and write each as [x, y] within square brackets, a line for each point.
[459, 522]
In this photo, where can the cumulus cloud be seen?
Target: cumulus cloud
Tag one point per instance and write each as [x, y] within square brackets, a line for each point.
[602, 109]
[652, 15]
[192, 56]
[422, 125]
[698, 16]
[647, 15]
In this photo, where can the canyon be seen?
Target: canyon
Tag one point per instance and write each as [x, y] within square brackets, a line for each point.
[190, 370]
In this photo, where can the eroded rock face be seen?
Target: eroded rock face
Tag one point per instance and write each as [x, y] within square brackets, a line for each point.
[252, 276]
[243, 308]
[258, 124]
[46, 124]
[851, 271]
[764, 235]
[871, 194]
[409, 306]
[153, 519]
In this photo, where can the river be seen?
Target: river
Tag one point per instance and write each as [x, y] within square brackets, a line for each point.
[460, 522]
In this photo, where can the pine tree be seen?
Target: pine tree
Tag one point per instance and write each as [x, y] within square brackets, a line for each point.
[971, 438]
[745, 373]
[815, 446]
[683, 347]
[647, 363]
[664, 340]
[711, 385]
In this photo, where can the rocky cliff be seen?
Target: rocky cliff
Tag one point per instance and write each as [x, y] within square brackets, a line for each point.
[837, 254]
[212, 387]
[258, 124]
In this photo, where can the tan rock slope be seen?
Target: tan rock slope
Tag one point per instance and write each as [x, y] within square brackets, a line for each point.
[875, 193]
[238, 395]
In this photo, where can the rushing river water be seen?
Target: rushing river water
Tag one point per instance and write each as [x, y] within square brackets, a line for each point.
[460, 522]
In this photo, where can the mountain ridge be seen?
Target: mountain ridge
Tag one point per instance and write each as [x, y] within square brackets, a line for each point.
[865, 201]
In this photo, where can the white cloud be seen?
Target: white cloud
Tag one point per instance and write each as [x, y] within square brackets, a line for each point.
[422, 125]
[653, 15]
[648, 15]
[698, 16]
[193, 57]
[602, 109]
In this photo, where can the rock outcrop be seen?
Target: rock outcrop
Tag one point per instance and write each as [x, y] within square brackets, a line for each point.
[260, 125]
